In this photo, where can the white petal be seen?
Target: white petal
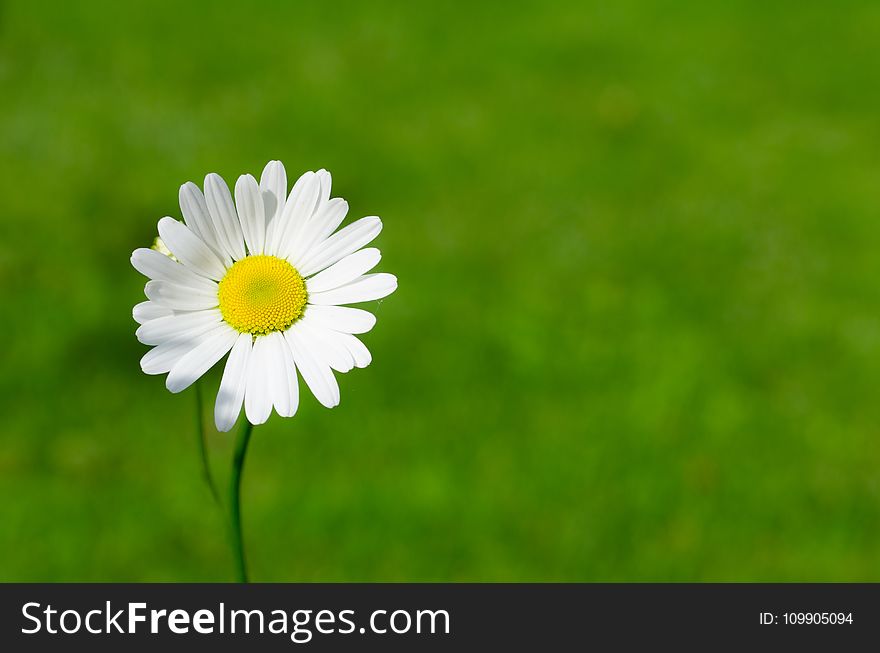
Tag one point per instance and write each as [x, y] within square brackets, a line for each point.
[190, 249]
[297, 210]
[344, 242]
[233, 384]
[341, 318]
[156, 265]
[276, 372]
[223, 215]
[344, 271]
[146, 311]
[281, 222]
[363, 289]
[292, 402]
[177, 327]
[326, 181]
[258, 396]
[323, 223]
[317, 375]
[273, 186]
[197, 218]
[179, 298]
[199, 360]
[356, 348]
[251, 212]
[161, 359]
[325, 347]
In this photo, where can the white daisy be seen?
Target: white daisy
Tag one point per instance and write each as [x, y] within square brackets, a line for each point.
[261, 278]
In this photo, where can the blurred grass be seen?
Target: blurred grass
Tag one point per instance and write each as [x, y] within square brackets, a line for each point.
[637, 331]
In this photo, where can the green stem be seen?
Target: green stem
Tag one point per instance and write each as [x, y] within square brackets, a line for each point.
[203, 445]
[241, 444]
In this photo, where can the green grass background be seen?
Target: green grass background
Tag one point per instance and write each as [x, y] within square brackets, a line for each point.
[637, 334]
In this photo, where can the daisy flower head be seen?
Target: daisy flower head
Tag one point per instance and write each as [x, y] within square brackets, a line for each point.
[260, 275]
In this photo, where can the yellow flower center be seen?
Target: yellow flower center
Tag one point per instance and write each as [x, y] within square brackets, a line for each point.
[261, 294]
